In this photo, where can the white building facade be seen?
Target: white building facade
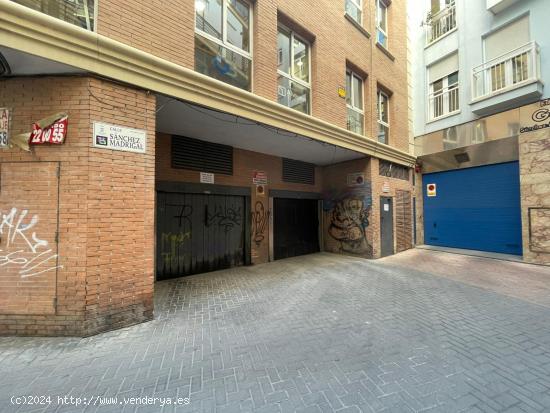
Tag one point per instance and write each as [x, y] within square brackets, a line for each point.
[479, 70]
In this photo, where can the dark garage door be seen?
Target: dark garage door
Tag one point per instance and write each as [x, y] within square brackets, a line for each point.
[198, 233]
[296, 227]
[475, 208]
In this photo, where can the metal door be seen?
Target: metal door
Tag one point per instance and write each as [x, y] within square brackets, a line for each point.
[199, 233]
[386, 226]
[295, 226]
[475, 208]
[29, 256]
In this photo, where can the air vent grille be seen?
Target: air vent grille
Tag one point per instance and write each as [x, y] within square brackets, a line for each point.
[298, 172]
[197, 155]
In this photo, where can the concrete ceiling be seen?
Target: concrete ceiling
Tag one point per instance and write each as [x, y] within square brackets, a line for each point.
[182, 118]
[23, 64]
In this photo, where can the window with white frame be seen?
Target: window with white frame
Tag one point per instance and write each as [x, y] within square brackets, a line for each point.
[223, 41]
[438, 5]
[382, 109]
[441, 19]
[354, 9]
[445, 96]
[354, 102]
[443, 93]
[293, 69]
[507, 59]
[382, 23]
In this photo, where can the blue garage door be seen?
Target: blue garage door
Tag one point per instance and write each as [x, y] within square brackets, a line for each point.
[475, 208]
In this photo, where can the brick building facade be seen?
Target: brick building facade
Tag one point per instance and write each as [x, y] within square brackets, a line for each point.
[272, 182]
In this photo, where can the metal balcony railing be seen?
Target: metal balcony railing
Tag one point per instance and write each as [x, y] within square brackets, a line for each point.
[444, 102]
[78, 12]
[441, 23]
[506, 72]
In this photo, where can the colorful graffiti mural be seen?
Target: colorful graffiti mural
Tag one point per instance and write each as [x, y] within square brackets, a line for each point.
[348, 215]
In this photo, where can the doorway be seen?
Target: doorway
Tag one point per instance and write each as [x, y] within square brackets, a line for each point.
[386, 226]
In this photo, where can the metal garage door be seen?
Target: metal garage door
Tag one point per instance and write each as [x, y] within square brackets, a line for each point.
[199, 233]
[475, 208]
[295, 227]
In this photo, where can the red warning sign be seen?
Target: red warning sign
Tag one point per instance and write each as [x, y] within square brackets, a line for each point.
[431, 189]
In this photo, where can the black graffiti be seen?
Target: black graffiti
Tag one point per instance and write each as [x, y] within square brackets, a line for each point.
[227, 218]
[260, 219]
[185, 212]
[349, 221]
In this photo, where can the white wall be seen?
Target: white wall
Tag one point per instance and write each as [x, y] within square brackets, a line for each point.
[473, 21]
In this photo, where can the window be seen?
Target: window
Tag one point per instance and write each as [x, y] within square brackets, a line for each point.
[507, 57]
[223, 41]
[393, 170]
[293, 68]
[438, 5]
[78, 12]
[443, 93]
[444, 97]
[354, 9]
[354, 101]
[383, 117]
[382, 23]
[441, 19]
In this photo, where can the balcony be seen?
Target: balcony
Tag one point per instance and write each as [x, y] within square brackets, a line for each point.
[441, 23]
[81, 13]
[509, 80]
[443, 103]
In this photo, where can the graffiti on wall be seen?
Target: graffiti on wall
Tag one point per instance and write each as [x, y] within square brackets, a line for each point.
[184, 213]
[349, 214]
[170, 244]
[260, 220]
[20, 246]
[225, 217]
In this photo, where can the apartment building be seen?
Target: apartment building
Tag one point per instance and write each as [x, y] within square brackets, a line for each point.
[480, 69]
[148, 140]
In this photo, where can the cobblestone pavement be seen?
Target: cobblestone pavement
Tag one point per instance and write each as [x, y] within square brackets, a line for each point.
[312, 334]
[527, 282]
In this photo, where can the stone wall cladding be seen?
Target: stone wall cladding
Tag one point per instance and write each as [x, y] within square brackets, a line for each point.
[106, 279]
[534, 148]
[166, 29]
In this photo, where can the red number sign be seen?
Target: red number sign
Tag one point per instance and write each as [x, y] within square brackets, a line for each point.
[54, 133]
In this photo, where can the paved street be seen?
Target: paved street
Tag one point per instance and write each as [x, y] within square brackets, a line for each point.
[314, 334]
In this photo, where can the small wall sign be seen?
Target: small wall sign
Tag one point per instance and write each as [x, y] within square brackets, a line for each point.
[53, 133]
[431, 190]
[260, 190]
[259, 178]
[386, 187]
[119, 138]
[342, 92]
[207, 178]
[535, 117]
[4, 127]
[356, 179]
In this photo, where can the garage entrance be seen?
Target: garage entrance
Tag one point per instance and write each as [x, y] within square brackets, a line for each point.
[474, 208]
[199, 233]
[295, 227]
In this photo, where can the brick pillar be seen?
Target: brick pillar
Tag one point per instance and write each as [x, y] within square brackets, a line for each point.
[91, 211]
